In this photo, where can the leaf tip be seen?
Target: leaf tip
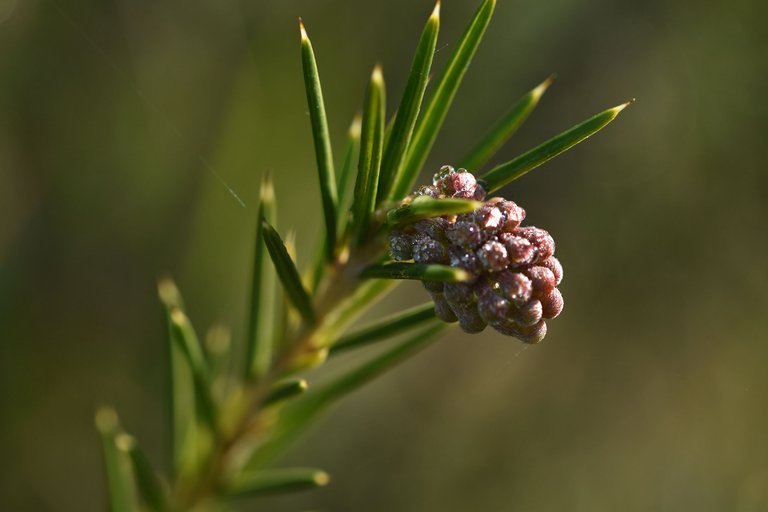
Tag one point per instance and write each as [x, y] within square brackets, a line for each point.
[178, 317]
[125, 442]
[436, 12]
[168, 292]
[356, 126]
[540, 89]
[303, 31]
[267, 189]
[321, 479]
[105, 419]
[377, 76]
[621, 107]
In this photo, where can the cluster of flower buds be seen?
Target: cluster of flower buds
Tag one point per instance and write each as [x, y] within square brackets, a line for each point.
[514, 272]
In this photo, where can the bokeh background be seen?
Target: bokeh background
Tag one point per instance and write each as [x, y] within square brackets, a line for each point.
[119, 120]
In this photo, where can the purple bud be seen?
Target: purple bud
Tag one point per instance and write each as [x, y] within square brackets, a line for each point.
[428, 250]
[493, 256]
[462, 183]
[489, 218]
[554, 265]
[465, 234]
[534, 333]
[433, 227]
[479, 193]
[515, 286]
[520, 251]
[544, 243]
[491, 306]
[465, 259]
[443, 309]
[400, 246]
[552, 304]
[513, 215]
[470, 320]
[543, 280]
[529, 313]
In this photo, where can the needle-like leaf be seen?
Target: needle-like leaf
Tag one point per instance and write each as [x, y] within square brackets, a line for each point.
[148, 482]
[351, 151]
[510, 171]
[429, 124]
[424, 207]
[260, 320]
[120, 482]
[504, 128]
[386, 328]
[284, 390]
[420, 271]
[288, 275]
[371, 143]
[322, 140]
[408, 111]
[184, 427]
[183, 334]
[276, 481]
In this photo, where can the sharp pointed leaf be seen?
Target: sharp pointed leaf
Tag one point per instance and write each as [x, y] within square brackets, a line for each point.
[351, 151]
[261, 316]
[120, 483]
[148, 482]
[184, 336]
[510, 171]
[371, 143]
[437, 106]
[424, 207]
[419, 271]
[386, 328]
[408, 111]
[322, 140]
[288, 275]
[276, 481]
[285, 390]
[184, 428]
[504, 128]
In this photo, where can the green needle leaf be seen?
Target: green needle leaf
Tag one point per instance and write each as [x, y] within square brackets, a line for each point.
[505, 128]
[353, 146]
[258, 350]
[408, 111]
[184, 427]
[120, 482]
[298, 416]
[386, 328]
[424, 207]
[183, 334]
[147, 480]
[288, 275]
[285, 390]
[322, 140]
[371, 143]
[275, 481]
[431, 121]
[510, 171]
[420, 271]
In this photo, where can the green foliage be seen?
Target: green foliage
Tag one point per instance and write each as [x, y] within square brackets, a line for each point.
[225, 438]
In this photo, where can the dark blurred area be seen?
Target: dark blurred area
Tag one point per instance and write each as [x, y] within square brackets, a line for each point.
[122, 123]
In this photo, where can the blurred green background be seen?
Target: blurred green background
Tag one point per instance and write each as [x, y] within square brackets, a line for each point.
[649, 393]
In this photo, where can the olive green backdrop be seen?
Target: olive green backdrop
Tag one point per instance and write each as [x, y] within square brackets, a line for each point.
[120, 119]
